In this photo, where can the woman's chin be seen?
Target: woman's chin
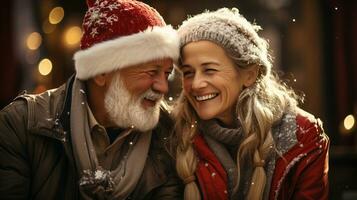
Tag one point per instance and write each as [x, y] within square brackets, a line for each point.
[205, 116]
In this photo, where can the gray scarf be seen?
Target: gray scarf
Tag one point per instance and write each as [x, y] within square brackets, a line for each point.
[219, 139]
[96, 182]
[226, 136]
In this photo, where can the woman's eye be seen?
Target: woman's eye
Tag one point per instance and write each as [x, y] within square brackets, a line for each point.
[210, 70]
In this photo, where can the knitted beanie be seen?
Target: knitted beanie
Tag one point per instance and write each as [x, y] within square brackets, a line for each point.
[122, 33]
[230, 30]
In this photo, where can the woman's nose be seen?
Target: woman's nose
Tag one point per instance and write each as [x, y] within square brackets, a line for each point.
[198, 82]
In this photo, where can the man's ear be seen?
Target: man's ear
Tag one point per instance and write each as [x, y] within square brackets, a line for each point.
[101, 80]
[251, 74]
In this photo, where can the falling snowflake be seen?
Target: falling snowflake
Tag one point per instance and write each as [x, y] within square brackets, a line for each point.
[98, 174]
[98, 177]
[99, 15]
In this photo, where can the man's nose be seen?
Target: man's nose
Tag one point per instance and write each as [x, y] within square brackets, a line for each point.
[160, 83]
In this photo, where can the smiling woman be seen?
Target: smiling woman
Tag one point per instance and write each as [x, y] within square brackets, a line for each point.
[211, 81]
[240, 132]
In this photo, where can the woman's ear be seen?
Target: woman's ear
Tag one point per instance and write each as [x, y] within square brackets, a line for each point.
[251, 74]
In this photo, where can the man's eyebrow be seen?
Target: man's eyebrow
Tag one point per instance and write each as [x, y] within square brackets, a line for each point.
[184, 66]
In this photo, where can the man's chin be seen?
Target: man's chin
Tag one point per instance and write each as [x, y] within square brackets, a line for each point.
[144, 120]
[146, 126]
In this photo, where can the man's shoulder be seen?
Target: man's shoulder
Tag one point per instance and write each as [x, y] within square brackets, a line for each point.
[31, 108]
[17, 109]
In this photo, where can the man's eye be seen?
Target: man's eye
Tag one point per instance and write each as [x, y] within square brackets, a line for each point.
[152, 72]
[187, 73]
[167, 74]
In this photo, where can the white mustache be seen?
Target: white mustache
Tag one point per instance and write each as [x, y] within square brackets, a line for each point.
[151, 95]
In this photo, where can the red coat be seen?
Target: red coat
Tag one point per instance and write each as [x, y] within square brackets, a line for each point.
[302, 172]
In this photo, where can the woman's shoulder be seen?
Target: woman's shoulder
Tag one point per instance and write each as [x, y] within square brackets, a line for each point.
[309, 127]
[305, 119]
[306, 159]
[298, 127]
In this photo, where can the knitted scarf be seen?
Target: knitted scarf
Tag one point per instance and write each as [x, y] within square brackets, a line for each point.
[216, 139]
[96, 182]
[211, 175]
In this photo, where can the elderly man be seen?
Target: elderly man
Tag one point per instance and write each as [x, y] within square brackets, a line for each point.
[101, 135]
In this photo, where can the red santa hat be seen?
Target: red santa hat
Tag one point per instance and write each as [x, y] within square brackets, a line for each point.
[122, 33]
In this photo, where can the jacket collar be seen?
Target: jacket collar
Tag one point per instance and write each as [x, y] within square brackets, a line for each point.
[66, 106]
[48, 112]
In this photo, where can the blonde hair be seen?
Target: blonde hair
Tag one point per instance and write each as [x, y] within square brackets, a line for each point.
[257, 109]
[186, 160]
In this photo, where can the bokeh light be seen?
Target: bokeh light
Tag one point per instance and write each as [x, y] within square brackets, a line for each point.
[39, 89]
[56, 15]
[349, 122]
[73, 35]
[45, 67]
[34, 41]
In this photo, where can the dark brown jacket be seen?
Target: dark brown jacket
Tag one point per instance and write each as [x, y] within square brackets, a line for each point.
[36, 160]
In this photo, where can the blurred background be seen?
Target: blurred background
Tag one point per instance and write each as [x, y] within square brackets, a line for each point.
[313, 42]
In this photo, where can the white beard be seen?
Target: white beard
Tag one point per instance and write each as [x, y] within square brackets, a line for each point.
[126, 111]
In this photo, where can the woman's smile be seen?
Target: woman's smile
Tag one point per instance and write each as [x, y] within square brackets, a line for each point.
[206, 97]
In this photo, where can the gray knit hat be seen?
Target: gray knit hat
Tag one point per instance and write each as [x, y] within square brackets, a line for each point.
[229, 29]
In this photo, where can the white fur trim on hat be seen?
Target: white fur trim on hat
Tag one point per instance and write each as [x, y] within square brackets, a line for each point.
[151, 44]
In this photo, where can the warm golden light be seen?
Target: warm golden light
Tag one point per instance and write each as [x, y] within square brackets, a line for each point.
[349, 122]
[39, 89]
[56, 15]
[34, 41]
[45, 67]
[73, 35]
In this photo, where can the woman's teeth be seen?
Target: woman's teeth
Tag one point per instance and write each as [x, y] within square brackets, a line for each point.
[205, 97]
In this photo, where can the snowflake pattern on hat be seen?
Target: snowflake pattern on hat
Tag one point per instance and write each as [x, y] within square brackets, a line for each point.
[122, 33]
[99, 15]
